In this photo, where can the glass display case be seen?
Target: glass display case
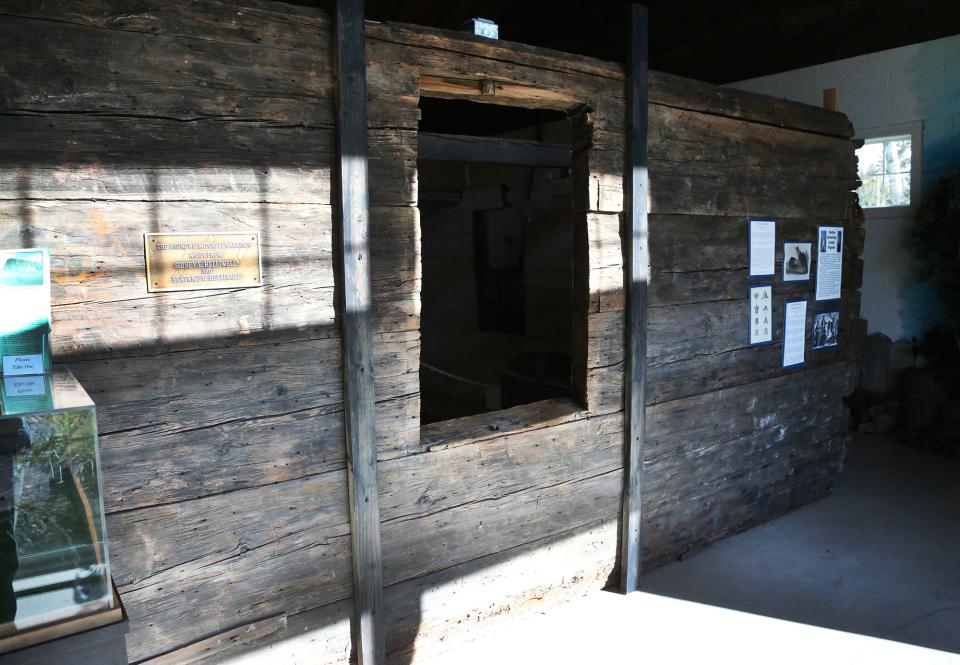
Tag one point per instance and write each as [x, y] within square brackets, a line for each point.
[54, 563]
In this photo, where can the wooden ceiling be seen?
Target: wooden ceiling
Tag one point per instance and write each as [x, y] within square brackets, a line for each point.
[713, 41]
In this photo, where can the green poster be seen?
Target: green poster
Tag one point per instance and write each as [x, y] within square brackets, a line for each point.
[24, 311]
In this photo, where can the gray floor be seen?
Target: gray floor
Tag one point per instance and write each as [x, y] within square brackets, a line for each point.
[879, 557]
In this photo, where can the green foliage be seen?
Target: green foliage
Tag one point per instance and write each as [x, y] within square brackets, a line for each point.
[936, 242]
[52, 531]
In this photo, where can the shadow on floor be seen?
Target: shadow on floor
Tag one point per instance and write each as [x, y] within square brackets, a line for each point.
[879, 557]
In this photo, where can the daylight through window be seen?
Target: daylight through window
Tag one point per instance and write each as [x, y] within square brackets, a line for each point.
[884, 170]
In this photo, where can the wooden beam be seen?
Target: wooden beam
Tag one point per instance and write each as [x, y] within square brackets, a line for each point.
[496, 92]
[355, 316]
[636, 272]
[461, 148]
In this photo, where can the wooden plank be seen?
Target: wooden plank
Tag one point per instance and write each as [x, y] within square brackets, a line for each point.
[429, 615]
[190, 570]
[479, 499]
[636, 272]
[683, 135]
[78, 156]
[243, 22]
[530, 65]
[680, 92]
[356, 302]
[455, 43]
[319, 635]
[502, 490]
[699, 188]
[679, 332]
[799, 472]
[97, 258]
[487, 91]
[209, 437]
[491, 150]
[483, 427]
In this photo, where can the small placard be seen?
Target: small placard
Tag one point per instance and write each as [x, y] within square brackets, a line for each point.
[24, 386]
[192, 261]
[21, 365]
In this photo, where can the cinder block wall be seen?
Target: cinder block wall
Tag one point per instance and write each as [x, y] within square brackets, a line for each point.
[887, 89]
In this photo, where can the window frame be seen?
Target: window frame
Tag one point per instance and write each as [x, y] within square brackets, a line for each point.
[914, 130]
[554, 410]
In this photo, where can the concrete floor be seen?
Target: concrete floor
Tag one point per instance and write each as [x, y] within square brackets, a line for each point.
[880, 558]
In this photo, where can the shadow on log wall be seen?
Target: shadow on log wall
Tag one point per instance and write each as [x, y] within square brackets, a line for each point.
[221, 411]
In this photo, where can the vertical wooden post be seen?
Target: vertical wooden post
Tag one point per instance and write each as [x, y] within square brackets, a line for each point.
[355, 311]
[636, 274]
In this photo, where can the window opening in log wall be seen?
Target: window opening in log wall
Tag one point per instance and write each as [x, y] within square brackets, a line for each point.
[496, 217]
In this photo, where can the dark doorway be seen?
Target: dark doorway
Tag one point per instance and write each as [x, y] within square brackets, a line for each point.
[496, 216]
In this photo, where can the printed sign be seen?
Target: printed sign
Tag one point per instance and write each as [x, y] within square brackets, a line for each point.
[794, 332]
[24, 311]
[829, 262]
[763, 233]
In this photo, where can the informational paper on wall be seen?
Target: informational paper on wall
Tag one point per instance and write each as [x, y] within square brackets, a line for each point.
[829, 262]
[794, 332]
[761, 314]
[25, 307]
[23, 394]
[763, 237]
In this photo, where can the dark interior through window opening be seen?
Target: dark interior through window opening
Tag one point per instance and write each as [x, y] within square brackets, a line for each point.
[497, 257]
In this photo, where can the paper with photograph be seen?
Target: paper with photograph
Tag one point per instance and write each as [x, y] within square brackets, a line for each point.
[829, 262]
[826, 330]
[796, 261]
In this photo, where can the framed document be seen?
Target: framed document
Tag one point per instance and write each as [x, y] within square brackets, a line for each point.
[826, 330]
[829, 262]
[794, 332]
[763, 237]
[761, 314]
[796, 261]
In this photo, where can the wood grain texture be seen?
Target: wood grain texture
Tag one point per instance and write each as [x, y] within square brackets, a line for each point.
[222, 413]
[636, 276]
[355, 306]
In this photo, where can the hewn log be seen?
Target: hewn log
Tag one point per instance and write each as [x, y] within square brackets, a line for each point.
[490, 150]
[636, 276]
[355, 304]
[191, 569]
[209, 410]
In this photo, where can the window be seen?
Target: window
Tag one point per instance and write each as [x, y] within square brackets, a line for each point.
[884, 167]
[497, 257]
[888, 165]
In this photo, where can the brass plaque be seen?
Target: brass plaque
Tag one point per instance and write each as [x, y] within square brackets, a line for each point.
[192, 261]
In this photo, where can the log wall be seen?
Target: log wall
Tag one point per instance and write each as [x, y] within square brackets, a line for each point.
[220, 411]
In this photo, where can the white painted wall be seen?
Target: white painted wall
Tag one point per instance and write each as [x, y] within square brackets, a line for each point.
[898, 87]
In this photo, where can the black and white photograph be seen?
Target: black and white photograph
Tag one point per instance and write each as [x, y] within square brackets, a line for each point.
[796, 261]
[826, 330]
